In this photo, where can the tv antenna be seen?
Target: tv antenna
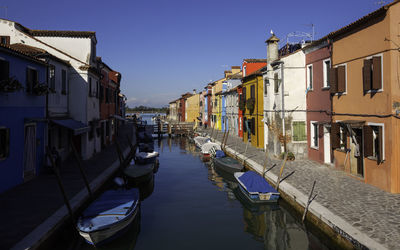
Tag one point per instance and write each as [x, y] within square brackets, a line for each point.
[381, 2]
[5, 10]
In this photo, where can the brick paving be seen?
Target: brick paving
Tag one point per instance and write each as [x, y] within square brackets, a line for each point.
[26, 206]
[370, 210]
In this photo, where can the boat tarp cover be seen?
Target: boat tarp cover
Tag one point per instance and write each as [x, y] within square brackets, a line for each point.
[219, 154]
[256, 183]
[112, 202]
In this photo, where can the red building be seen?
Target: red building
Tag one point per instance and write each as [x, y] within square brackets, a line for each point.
[251, 65]
[182, 107]
[318, 64]
[109, 103]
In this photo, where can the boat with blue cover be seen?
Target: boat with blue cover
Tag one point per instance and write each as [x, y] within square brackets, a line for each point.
[109, 216]
[255, 188]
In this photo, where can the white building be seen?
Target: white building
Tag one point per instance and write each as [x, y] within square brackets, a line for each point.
[232, 102]
[285, 99]
[78, 48]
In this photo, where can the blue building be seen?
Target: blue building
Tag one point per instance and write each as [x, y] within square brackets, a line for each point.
[23, 87]
[224, 124]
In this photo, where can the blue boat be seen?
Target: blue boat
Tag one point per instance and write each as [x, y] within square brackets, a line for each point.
[109, 216]
[255, 188]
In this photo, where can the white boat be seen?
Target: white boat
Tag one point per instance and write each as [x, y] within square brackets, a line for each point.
[109, 216]
[208, 147]
[201, 140]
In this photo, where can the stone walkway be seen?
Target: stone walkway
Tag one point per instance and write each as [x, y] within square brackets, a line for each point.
[25, 207]
[372, 211]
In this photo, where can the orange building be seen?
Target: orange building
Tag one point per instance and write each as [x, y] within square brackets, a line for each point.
[365, 90]
[251, 65]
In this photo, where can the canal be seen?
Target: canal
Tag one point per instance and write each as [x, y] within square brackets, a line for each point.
[191, 206]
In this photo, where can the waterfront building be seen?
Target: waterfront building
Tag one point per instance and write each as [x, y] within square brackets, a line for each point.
[251, 65]
[224, 124]
[285, 99]
[23, 89]
[108, 99]
[365, 90]
[232, 102]
[173, 111]
[208, 105]
[202, 107]
[240, 111]
[182, 107]
[252, 103]
[193, 107]
[79, 49]
[318, 100]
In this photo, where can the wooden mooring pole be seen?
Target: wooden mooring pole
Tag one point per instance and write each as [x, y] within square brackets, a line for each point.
[281, 171]
[80, 166]
[309, 202]
[226, 139]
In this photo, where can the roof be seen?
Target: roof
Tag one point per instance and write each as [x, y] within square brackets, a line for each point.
[21, 53]
[356, 24]
[255, 60]
[273, 38]
[255, 73]
[115, 76]
[36, 52]
[235, 76]
[235, 67]
[62, 33]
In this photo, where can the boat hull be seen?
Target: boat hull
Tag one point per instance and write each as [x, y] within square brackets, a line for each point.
[228, 165]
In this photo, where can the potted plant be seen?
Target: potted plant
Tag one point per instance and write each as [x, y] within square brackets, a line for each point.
[40, 89]
[10, 85]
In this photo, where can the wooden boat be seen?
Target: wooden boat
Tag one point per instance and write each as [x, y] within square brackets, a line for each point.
[255, 188]
[139, 174]
[146, 157]
[200, 141]
[227, 164]
[109, 216]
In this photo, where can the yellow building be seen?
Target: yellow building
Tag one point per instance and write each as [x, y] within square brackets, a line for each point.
[192, 108]
[254, 103]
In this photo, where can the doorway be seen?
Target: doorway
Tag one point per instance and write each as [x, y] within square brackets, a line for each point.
[29, 152]
[327, 145]
[356, 152]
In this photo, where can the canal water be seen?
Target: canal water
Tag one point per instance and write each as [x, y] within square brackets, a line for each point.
[191, 206]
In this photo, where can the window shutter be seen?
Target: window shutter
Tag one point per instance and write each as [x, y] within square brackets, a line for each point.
[380, 146]
[376, 73]
[276, 83]
[368, 141]
[333, 80]
[28, 80]
[341, 79]
[253, 126]
[367, 75]
[4, 70]
[335, 135]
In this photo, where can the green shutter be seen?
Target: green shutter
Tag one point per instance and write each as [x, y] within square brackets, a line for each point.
[299, 131]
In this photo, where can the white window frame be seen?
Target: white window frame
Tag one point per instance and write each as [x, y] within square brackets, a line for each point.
[383, 137]
[381, 89]
[345, 78]
[325, 72]
[312, 134]
[310, 78]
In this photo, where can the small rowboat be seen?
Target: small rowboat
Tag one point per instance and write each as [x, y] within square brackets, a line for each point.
[228, 164]
[146, 157]
[200, 141]
[139, 174]
[109, 216]
[209, 147]
[255, 188]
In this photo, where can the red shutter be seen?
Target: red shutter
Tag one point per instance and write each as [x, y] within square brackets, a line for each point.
[341, 79]
[333, 80]
[367, 75]
[335, 135]
[376, 73]
[368, 141]
[380, 145]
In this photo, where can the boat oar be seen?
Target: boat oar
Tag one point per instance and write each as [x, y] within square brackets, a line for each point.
[309, 201]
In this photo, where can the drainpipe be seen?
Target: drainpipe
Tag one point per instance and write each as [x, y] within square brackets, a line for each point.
[283, 106]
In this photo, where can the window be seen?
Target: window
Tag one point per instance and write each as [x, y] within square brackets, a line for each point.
[327, 72]
[299, 131]
[338, 136]
[244, 70]
[276, 83]
[374, 142]
[252, 91]
[31, 79]
[4, 70]
[52, 77]
[314, 129]
[108, 96]
[372, 74]
[5, 40]
[266, 84]
[4, 143]
[309, 77]
[338, 80]
[101, 92]
[63, 82]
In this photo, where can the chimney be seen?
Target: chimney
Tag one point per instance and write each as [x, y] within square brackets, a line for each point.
[272, 48]
[235, 69]
[194, 91]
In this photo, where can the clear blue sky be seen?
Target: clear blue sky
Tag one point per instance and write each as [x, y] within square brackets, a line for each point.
[166, 48]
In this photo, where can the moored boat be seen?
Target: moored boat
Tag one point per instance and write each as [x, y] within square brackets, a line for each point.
[227, 163]
[109, 216]
[138, 174]
[200, 141]
[146, 157]
[208, 147]
[255, 188]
